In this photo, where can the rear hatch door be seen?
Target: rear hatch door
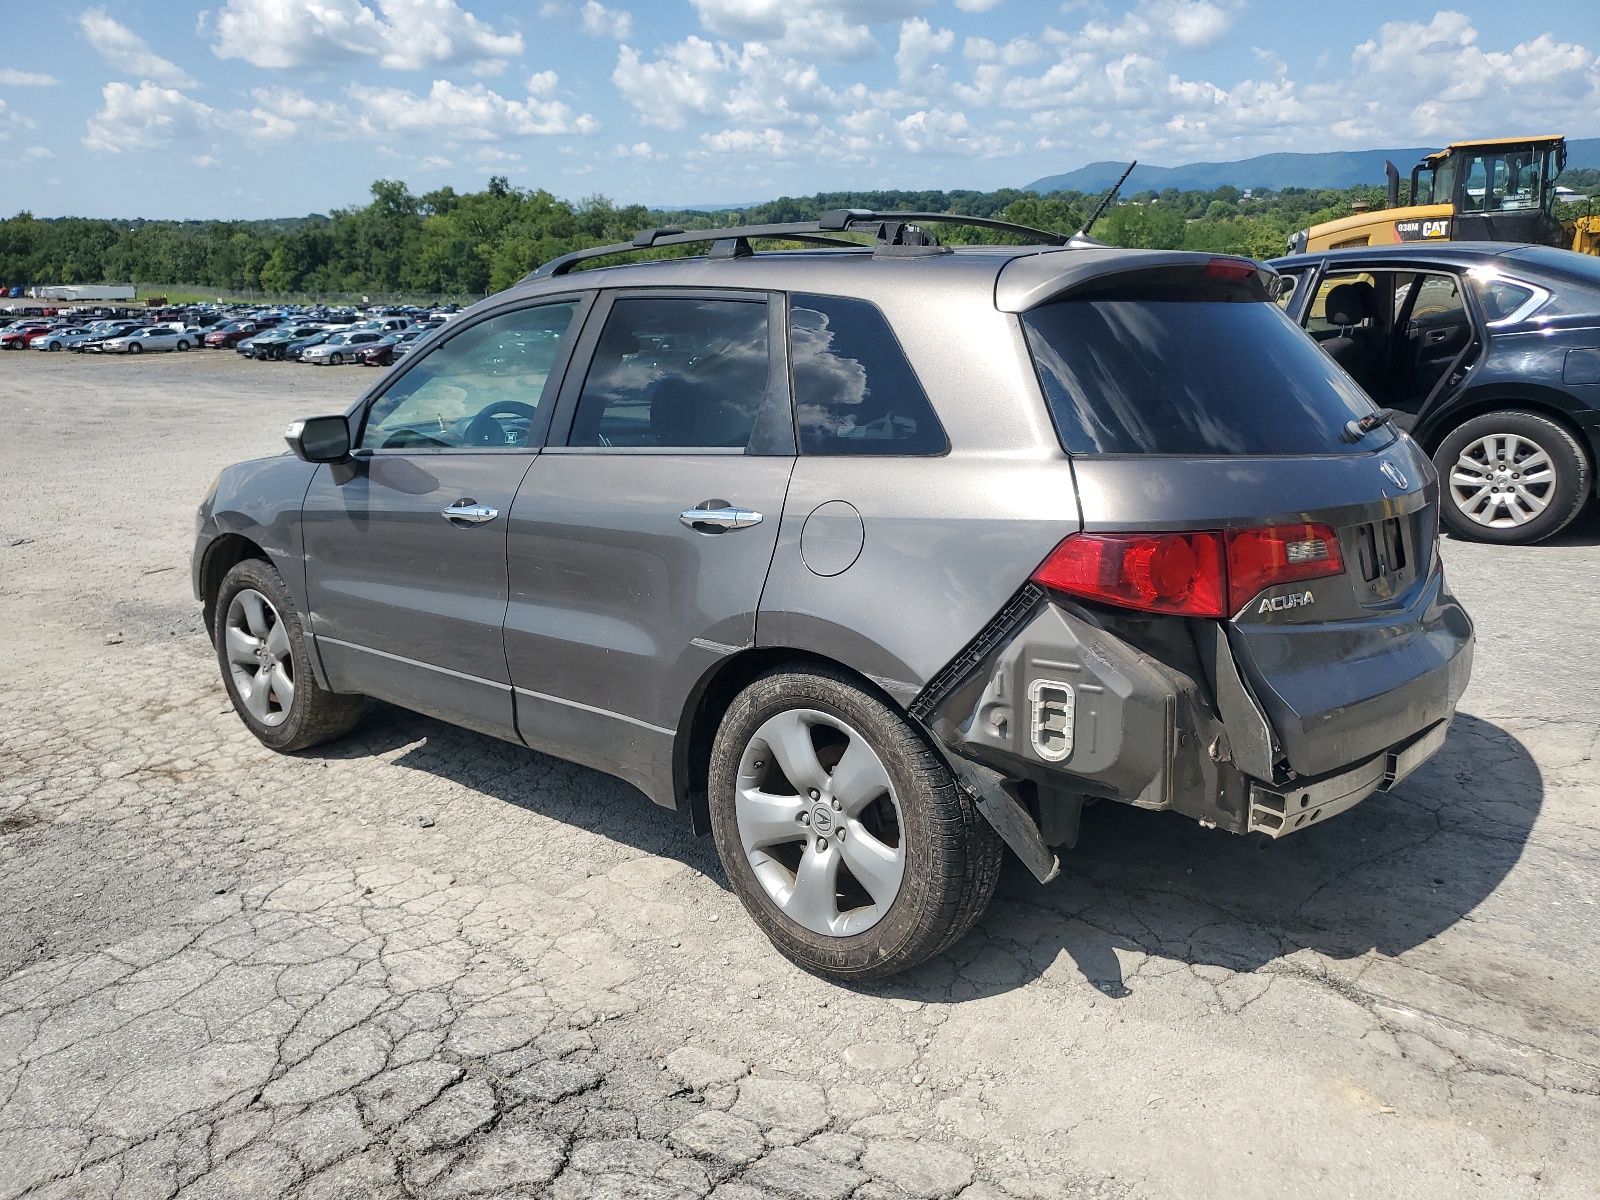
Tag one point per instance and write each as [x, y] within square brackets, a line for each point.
[1188, 401]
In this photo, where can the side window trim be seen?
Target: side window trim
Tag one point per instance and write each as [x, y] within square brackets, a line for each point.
[770, 421]
[538, 428]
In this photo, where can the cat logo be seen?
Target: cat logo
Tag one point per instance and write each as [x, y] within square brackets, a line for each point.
[1420, 231]
[1282, 603]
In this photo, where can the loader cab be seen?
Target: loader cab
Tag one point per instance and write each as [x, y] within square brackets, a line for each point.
[1500, 191]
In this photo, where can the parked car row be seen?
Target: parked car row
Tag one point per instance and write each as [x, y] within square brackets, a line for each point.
[322, 336]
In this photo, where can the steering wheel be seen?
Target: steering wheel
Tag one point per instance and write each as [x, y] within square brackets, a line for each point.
[485, 430]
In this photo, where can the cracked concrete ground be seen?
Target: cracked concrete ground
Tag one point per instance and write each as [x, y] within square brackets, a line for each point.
[229, 973]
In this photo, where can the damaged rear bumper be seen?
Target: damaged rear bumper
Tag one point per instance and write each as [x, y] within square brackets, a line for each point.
[1056, 703]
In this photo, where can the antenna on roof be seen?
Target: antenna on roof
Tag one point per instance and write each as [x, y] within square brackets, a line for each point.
[1105, 203]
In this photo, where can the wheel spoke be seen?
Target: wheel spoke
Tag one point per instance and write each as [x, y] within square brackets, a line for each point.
[255, 698]
[859, 778]
[282, 686]
[278, 641]
[1536, 477]
[1535, 503]
[790, 738]
[877, 867]
[767, 820]
[813, 901]
[241, 646]
[1472, 467]
[1537, 459]
[255, 613]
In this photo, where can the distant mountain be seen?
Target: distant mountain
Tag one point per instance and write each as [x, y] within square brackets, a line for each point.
[1335, 169]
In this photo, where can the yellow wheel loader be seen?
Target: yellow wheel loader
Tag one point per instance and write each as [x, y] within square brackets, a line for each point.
[1498, 190]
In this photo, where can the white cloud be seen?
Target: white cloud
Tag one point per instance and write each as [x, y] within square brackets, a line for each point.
[404, 35]
[920, 44]
[10, 77]
[685, 79]
[122, 47]
[38, 152]
[205, 161]
[11, 119]
[977, 6]
[146, 117]
[447, 114]
[640, 150]
[600, 21]
[832, 30]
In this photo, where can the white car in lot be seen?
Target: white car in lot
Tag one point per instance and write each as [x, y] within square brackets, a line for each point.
[62, 339]
[337, 350]
[154, 337]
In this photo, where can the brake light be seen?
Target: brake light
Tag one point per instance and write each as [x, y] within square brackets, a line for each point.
[1233, 269]
[1209, 574]
[1181, 573]
[1263, 558]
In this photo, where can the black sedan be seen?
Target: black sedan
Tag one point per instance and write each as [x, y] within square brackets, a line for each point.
[1489, 356]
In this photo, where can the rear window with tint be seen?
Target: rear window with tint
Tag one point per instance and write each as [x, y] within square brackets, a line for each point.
[1190, 377]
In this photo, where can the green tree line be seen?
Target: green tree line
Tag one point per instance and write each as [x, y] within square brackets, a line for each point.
[449, 243]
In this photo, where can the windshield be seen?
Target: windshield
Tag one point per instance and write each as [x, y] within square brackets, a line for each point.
[1190, 377]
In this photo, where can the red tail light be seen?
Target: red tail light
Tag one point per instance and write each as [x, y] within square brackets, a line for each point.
[1189, 574]
[1179, 573]
[1263, 558]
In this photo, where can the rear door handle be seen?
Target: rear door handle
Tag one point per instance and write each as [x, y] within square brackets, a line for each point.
[470, 512]
[720, 518]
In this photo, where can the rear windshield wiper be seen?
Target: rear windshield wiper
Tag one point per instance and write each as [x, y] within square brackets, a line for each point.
[1354, 431]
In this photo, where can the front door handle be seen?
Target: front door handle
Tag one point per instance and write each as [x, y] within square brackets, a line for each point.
[470, 512]
[719, 519]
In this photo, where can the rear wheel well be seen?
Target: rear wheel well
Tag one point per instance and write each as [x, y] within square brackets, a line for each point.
[703, 712]
[222, 556]
[1490, 404]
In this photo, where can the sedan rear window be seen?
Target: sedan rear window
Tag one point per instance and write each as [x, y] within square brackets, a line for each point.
[1189, 377]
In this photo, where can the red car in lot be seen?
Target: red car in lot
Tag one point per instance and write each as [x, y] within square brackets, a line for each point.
[15, 337]
[226, 337]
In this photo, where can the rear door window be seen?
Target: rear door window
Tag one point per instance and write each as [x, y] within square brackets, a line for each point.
[1189, 377]
[854, 391]
[675, 371]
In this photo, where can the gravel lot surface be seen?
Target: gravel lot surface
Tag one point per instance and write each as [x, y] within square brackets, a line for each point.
[422, 962]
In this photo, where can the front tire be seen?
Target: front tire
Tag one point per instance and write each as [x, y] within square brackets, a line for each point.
[135, 348]
[842, 832]
[1511, 478]
[336, 359]
[266, 667]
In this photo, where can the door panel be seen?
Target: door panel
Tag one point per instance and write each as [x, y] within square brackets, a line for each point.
[406, 543]
[618, 607]
[407, 605]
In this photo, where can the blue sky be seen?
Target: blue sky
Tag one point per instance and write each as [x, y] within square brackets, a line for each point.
[256, 108]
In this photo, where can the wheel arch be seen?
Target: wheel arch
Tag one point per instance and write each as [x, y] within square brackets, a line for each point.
[1557, 405]
[224, 553]
[710, 699]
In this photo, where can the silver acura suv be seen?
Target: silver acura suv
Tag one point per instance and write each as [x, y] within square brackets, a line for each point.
[872, 557]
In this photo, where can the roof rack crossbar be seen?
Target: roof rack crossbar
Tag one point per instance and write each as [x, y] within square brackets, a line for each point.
[885, 225]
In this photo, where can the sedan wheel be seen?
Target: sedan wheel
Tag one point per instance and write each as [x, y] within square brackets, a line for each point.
[843, 834]
[183, 345]
[55, 345]
[820, 828]
[261, 648]
[258, 657]
[1511, 477]
[135, 348]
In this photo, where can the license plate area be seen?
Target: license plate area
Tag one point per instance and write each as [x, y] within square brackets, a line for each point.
[1382, 555]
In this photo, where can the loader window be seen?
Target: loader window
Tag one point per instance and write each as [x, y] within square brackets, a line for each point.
[1505, 182]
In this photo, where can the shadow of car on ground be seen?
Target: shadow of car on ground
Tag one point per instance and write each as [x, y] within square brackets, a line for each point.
[1388, 875]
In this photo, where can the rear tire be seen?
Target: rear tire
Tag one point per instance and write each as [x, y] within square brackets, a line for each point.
[266, 665]
[183, 346]
[917, 864]
[1511, 478]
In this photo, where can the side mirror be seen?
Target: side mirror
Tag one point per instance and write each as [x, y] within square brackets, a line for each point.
[319, 439]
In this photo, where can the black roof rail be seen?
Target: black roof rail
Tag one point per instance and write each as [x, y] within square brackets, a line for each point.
[897, 229]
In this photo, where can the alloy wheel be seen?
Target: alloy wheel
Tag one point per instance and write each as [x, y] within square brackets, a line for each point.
[819, 822]
[259, 657]
[1502, 480]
